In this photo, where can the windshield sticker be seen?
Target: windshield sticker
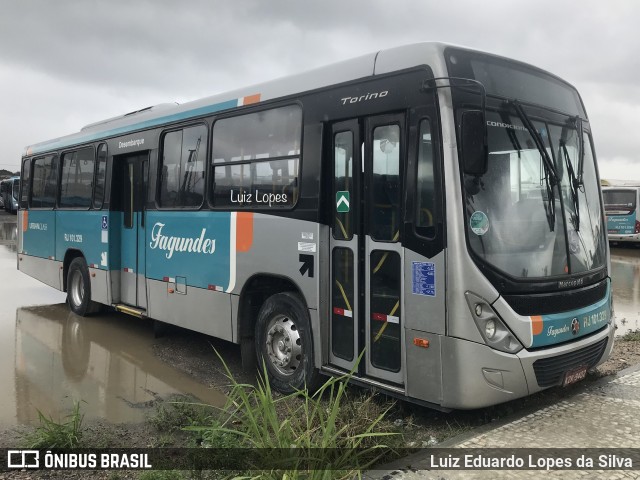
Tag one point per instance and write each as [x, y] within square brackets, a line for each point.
[479, 223]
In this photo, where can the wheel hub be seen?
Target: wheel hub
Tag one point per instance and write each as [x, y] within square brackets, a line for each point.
[77, 288]
[284, 345]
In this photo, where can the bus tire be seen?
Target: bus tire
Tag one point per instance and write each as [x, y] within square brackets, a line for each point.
[284, 343]
[79, 289]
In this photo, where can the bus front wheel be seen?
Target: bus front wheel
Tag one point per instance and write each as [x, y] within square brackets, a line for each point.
[79, 289]
[284, 343]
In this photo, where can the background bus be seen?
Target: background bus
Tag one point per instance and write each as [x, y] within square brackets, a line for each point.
[620, 205]
[10, 191]
[435, 207]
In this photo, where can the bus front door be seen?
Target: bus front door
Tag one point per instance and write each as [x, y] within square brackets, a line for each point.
[132, 258]
[366, 254]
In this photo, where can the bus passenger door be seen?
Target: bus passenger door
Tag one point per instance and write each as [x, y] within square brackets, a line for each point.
[132, 272]
[366, 254]
[345, 300]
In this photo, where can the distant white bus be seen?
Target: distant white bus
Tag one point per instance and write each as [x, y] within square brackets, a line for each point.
[621, 208]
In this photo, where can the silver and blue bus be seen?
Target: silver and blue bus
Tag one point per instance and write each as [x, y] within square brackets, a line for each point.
[10, 191]
[621, 208]
[435, 207]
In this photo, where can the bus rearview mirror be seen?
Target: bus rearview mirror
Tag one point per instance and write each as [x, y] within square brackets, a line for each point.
[474, 147]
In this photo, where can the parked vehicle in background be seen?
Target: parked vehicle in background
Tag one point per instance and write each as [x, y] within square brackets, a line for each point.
[10, 191]
[621, 207]
[3, 186]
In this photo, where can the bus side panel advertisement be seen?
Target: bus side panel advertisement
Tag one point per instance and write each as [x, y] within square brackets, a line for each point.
[621, 224]
[194, 245]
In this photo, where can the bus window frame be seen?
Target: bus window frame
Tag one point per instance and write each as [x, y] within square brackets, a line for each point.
[211, 169]
[28, 200]
[437, 174]
[59, 187]
[158, 180]
[57, 155]
[95, 177]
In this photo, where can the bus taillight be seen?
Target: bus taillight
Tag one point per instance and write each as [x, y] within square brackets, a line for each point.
[637, 226]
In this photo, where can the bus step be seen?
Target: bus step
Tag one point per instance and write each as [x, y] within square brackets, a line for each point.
[136, 312]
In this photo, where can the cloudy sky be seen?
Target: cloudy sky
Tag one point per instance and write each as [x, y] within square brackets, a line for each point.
[64, 64]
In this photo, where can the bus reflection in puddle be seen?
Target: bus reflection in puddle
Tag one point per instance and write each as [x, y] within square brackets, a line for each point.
[105, 363]
[8, 232]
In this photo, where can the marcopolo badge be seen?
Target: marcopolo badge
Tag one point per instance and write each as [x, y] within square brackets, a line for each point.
[479, 223]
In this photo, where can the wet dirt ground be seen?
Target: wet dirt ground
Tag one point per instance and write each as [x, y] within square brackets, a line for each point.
[119, 370]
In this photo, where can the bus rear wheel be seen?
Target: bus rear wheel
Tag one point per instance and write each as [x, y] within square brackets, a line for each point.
[79, 289]
[284, 343]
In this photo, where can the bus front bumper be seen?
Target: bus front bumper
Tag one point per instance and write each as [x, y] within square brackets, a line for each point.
[476, 376]
[634, 237]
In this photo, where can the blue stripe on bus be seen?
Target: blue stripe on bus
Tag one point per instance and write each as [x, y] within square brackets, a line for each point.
[51, 233]
[565, 326]
[89, 137]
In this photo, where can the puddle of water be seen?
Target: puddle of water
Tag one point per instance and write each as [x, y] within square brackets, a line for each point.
[105, 361]
[625, 275]
[52, 358]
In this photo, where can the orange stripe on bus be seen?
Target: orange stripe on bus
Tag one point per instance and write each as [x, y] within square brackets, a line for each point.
[25, 220]
[248, 100]
[536, 324]
[244, 231]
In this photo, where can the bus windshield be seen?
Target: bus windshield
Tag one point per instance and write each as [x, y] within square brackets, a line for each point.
[515, 213]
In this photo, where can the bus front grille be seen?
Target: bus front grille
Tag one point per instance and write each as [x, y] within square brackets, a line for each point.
[550, 371]
[561, 301]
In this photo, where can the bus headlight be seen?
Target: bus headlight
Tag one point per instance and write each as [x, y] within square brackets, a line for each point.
[493, 330]
[490, 328]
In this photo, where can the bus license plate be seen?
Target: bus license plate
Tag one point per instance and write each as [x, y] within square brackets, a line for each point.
[573, 376]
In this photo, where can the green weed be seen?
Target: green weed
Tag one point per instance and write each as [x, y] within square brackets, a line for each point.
[51, 434]
[254, 418]
[632, 336]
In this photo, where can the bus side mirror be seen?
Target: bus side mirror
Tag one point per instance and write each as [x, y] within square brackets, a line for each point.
[474, 145]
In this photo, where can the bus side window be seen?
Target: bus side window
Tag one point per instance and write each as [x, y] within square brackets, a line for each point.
[182, 167]
[256, 159]
[101, 173]
[77, 177]
[45, 173]
[425, 188]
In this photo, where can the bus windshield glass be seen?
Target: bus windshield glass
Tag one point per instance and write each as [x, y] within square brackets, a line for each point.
[509, 79]
[519, 219]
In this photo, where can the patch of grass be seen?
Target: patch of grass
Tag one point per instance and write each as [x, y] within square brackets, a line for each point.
[632, 336]
[179, 413]
[52, 434]
[355, 430]
[162, 475]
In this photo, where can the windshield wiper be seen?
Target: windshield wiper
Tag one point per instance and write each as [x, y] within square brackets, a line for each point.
[573, 187]
[551, 176]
